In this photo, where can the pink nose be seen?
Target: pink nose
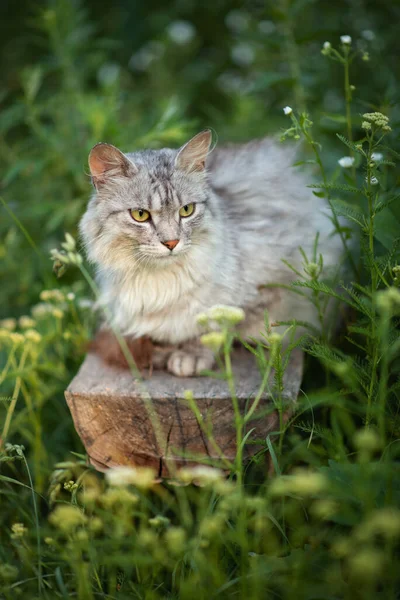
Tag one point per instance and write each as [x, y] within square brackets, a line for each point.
[171, 244]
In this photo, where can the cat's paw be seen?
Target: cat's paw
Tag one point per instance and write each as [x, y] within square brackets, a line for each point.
[187, 364]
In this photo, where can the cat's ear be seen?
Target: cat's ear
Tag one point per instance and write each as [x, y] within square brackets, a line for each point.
[107, 162]
[192, 156]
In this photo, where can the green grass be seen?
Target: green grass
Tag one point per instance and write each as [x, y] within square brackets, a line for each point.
[324, 524]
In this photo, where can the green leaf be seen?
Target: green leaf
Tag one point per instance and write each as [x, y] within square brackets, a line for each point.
[350, 144]
[387, 228]
[335, 186]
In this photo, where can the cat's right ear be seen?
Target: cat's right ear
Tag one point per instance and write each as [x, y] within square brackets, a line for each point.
[106, 162]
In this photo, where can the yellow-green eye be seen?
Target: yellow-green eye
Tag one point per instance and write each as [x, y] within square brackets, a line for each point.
[187, 210]
[140, 215]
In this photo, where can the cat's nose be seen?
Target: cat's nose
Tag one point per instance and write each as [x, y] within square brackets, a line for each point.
[171, 244]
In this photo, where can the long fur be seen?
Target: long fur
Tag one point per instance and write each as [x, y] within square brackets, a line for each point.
[252, 210]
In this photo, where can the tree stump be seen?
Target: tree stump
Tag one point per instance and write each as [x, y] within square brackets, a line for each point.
[120, 425]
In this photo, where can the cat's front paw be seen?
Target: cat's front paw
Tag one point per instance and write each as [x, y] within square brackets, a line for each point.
[187, 364]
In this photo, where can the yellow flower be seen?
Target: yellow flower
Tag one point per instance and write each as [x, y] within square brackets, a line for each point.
[26, 322]
[67, 517]
[17, 338]
[213, 340]
[33, 336]
[9, 324]
[18, 530]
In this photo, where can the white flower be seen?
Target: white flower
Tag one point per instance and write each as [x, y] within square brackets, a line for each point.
[200, 474]
[266, 27]
[377, 156]
[346, 162]
[237, 20]
[141, 477]
[70, 296]
[326, 45]
[181, 32]
[345, 39]
[374, 181]
[243, 54]
[287, 110]
[368, 35]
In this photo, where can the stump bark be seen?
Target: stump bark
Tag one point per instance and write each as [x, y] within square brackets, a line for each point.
[120, 425]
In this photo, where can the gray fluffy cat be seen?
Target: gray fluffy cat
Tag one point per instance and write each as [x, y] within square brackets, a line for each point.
[174, 232]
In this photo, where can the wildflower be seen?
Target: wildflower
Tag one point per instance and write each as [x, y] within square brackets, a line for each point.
[312, 269]
[57, 313]
[69, 245]
[304, 483]
[346, 162]
[324, 509]
[18, 531]
[141, 477]
[200, 475]
[67, 256]
[70, 486]
[345, 39]
[275, 339]
[377, 118]
[368, 35]
[211, 526]
[367, 440]
[67, 517]
[226, 314]
[17, 338]
[384, 522]
[373, 180]
[181, 32]
[237, 20]
[159, 521]
[366, 564]
[266, 27]
[287, 110]
[52, 295]
[85, 303]
[377, 156]
[116, 497]
[41, 310]
[326, 48]
[213, 340]
[95, 524]
[243, 54]
[9, 324]
[71, 296]
[175, 538]
[33, 336]
[365, 125]
[341, 369]
[49, 541]
[396, 275]
[26, 322]
[8, 573]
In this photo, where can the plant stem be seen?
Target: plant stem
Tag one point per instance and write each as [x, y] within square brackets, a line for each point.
[236, 409]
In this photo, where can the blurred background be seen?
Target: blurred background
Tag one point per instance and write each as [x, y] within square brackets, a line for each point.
[150, 74]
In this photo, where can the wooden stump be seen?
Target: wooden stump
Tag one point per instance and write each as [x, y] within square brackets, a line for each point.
[119, 425]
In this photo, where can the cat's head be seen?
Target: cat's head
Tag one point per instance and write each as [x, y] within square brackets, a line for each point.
[149, 207]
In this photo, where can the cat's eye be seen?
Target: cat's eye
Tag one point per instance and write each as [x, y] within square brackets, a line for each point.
[187, 210]
[140, 215]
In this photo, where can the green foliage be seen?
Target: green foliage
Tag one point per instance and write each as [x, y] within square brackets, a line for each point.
[325, 521]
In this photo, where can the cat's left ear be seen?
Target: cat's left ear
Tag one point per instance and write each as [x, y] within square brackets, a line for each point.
[192, 156]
